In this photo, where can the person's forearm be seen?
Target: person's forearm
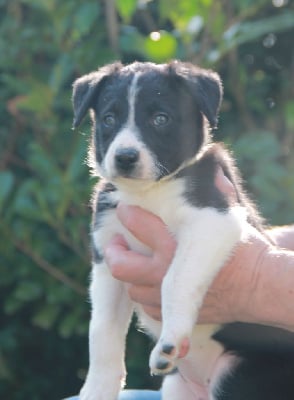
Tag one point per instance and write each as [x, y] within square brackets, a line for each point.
[273, 303]
[275, 291]
[255, 286]
[272, 300]
[277, 304]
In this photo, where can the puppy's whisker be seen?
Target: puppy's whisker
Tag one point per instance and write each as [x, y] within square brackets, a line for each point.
[163, 170]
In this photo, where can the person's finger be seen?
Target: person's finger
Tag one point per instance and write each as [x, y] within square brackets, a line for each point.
[146, 295]
[119, 241]
[129, 266]
[146, 227]
[153, 312]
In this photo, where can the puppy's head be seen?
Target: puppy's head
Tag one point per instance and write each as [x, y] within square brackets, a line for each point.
[148, 119]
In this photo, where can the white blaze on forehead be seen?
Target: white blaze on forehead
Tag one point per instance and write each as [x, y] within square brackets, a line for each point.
[129, 132]
[133, 90]
[129, 137]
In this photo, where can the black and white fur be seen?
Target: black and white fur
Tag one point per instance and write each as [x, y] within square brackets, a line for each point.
[152, 146]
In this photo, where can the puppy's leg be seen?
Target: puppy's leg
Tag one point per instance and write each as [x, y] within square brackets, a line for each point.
[204, 244]
[111, 315]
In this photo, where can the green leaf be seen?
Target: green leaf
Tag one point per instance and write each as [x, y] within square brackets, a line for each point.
[85, 17]
[126, 8]
[12, 305]
[25, 204]
[27, 291]
[6, 185]
[46, 316]
[38, 100]
[160, 46]
[39, 4]
[289, 114]
[181, 12]
[260, 147]
[244, 32]
[68, 325]
[76, 163]
[61, 72]
[131, 41]
[42, 162]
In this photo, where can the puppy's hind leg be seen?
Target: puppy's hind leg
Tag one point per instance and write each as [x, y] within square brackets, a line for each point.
[111, 313]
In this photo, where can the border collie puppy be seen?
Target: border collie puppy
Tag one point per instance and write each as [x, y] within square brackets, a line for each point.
[152, 147]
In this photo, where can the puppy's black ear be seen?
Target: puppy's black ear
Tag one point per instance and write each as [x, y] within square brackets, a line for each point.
[205, 86]
[86, 88]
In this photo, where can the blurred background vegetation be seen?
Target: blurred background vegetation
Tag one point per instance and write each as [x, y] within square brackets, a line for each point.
[44, 182]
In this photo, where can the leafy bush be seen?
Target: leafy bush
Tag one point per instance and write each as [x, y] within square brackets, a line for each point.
[45, 186]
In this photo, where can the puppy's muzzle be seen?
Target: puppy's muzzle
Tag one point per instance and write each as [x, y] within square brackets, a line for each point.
[126, 160]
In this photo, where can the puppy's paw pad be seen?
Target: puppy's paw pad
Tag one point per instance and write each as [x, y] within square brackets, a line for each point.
[162, 365]
[165, 354]
[168, 349]
[162, 360]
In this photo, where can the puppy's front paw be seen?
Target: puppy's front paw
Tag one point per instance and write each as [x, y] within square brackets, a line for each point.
[165, 354]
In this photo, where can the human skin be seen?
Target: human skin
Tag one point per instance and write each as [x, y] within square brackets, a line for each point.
[255, 285]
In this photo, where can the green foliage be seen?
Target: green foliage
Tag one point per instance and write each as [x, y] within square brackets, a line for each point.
[44, 182]
[273, 184]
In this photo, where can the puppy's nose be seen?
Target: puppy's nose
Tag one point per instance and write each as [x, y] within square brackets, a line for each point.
[126, 159]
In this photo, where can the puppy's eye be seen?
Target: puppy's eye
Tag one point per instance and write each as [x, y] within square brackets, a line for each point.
[160, 120]
[109, 120]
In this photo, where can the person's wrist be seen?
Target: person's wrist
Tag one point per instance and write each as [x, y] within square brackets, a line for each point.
[247, 300]
[274, 304]
[266, 295]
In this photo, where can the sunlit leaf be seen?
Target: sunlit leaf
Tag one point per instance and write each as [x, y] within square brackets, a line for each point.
[126, 8]
[181, 12]
[160, 46]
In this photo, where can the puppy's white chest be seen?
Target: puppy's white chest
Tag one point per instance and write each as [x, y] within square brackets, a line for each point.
[165, 199]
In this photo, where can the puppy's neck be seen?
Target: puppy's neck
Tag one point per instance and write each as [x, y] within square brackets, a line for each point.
[187, 163]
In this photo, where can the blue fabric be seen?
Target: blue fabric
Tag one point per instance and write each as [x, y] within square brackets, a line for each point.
[139, 395]
[133, 395]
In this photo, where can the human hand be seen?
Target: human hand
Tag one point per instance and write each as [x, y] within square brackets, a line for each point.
[144, 274]
[243, 289]
[226, 300]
